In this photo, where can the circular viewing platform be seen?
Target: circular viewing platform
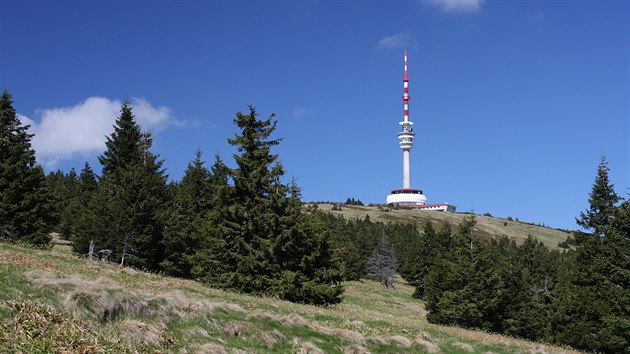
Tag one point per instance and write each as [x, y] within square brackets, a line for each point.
[406, 196]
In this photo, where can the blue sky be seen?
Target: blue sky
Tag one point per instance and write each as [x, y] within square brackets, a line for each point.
[513, 101]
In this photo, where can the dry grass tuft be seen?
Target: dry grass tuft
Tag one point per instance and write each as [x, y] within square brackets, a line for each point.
[293, 320]
[353, 337]
[424, 335]
[29, 326]
[464, 346]
[398, 341]
[355, 349]
[102, 300]
[263, 316]
[273, 337]
[305, 348]
[136, 332]
[210, 348]
[426, 345]
[197, 331]
[538, 350]
[235, 328]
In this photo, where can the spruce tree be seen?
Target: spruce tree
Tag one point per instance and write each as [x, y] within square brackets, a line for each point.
[125, 212]
[259, 242]
[602, 201]
[591, 301]
[26, 211]
[192, 200]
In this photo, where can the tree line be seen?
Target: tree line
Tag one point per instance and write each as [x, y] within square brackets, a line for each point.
[579, 297]
[236, 228]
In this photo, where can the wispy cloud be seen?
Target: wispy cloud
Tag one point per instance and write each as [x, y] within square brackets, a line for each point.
[400, 40]
[467, 6]
[64, 133]
[301, 112]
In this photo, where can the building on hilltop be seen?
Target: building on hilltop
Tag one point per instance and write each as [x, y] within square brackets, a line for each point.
[406, 196]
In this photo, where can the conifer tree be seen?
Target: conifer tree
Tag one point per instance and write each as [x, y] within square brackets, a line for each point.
[266, 245]
[125, 211]
[602, 202]
[26, 211]
[192, 200]
[589, 302]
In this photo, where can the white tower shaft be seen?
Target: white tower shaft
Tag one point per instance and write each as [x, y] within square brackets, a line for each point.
[406, 174]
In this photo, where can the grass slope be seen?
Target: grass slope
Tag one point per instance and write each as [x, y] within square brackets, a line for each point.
[486, 226]
[54, 302]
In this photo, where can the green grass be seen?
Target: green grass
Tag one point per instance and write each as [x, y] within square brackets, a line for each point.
[487, 226]
[52, 301]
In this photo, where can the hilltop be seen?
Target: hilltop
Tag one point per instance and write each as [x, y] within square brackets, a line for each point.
[53, 301]
[487, 226]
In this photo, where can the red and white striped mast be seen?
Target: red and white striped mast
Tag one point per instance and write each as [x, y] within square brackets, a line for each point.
[405, 137]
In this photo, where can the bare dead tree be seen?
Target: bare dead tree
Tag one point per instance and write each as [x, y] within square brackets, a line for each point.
[90, 253]
[382, 264]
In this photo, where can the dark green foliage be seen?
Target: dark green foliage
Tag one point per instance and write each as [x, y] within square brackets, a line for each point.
[257, 239]
[352, 201]
[124, 145]
[579, 298]
[26, 203]
[592, 303]
[65, 189]
[192, 200]
[464, 288]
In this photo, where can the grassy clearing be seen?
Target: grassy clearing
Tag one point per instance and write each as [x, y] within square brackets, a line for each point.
[486, 226]
[51, 301]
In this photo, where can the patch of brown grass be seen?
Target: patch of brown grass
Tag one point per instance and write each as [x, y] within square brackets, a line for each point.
[464, 346]
[355, 349]
[305, 348]
[135, 333]
[273, 337]
[426, 344]
[293, 320]
[211, 348]
[33, 325]
[353, 337]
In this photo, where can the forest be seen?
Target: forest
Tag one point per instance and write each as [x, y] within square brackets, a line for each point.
[245, 229]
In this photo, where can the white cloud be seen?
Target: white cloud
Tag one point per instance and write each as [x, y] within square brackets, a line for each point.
[400, 40]
[63, 133]
[457, 5]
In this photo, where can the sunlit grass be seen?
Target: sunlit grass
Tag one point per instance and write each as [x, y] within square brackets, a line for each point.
[156, 313]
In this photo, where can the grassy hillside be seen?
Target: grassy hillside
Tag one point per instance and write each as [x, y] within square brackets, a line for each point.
[486, 226]
[54, 302]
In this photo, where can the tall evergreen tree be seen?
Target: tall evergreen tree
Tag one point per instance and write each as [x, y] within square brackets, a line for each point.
[125, 212]
[602, 202]
[26, 211]
[590, 301]
[267, 245]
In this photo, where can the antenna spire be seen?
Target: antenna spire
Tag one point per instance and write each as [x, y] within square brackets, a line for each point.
[406, 93]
